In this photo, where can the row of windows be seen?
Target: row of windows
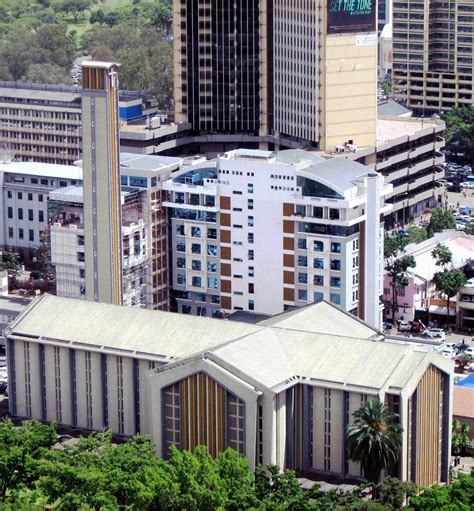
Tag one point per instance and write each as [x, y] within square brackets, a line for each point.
[196, 248]
[212, 282]
[21, 234]
[31, 215]
[318, 280]
[318, 296]
[196, 265]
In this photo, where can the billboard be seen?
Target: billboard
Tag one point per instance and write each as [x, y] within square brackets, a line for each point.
[351, 16]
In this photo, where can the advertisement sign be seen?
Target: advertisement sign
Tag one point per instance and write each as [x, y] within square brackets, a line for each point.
[351, 16]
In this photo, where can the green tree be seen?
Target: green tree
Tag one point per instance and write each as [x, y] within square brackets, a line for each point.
[163, 18]
[11, 261]
[463, 361]
[392, 492]
[460, 129]
[75, 7]
[417, 234]
[47, 73]
[19, 448]
[449, 282]
[439, 221]
[374, 439]
[113, 18]
[443, 255]
[397, 265]
[469, 229]
[97, 16]
[459, 437]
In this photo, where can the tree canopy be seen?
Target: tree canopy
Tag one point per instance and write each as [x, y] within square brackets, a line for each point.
[439, 221]
[460, 129]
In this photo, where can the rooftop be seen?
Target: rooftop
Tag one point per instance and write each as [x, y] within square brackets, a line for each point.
[39, 95]
[42, 169]
[463, 402]
[390, 128]
[303, 344]
[144, 163]
[391, 107]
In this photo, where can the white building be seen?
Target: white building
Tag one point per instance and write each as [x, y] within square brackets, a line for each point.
[23, 200]
[261, 231]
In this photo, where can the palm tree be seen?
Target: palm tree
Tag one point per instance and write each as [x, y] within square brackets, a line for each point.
[374, 439]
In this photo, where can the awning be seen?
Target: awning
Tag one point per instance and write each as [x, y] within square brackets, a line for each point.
[436, 309]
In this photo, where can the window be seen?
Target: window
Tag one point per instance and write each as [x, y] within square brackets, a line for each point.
[81, 257]
[302, 278]
[196, 232]
[303, 295]
[335, 298]
[30, 196]
[212, 250]
[20, 213]
[212, 267]
[302, 243]
[215, 299]
[31, 235]
[186, 309]
[301, 209]
[196, 248]
[318, 296]
[251, 271]
[20, 233]
[302, 261]
[251, 288]
[62, 184]
[318, 263]
[80, 240]
[236, 192]
[250, 204]
[181, 246]
[9, 194]
[212, 282]
[355, 244]
[180, 229]
[355, 295]
[335, 264]
[251, 255]
[251, 305]
[318, 212]
[318, 280]
[40, 197]
[82, 273]
[10, 232]
[181, 279]
[250, 187]
[181, 262]
[318, 246]
[250, 221]
[20, 195]
[250, 237]
[196, 265]
[200, 297]
[44, 182]
[333, 214]
[355, 262]
[10, 212]
[41, 216]
[30, 215]
[336, 248]
[212, 234]
[335, 282]
[355, 280]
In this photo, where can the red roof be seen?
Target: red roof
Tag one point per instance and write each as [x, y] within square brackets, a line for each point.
[463, 402]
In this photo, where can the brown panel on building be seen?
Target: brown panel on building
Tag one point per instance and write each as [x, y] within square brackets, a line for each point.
[224, 202]
[428, 428]
[226, 303]
[226, 269]
[288, 243]
[288, 209]
[211, 389]
[221, 418]
[288, 294]
[289, 260]
[226, 286]
[184, 415]
[362, 235]
[225, 236]
[225, 253]
[288, 226]
[225, 219]
[288, 277]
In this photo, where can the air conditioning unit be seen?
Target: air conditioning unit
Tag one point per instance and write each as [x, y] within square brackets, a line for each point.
[340, 149]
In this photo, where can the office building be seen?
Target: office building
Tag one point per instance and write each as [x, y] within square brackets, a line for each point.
[144, 231]
[42, 123]
[282, 391]
[384, 14]
[433, 54]
[275, 74]
[312, 224]
[23, 201]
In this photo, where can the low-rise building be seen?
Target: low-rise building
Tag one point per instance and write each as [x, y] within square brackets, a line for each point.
[312, 224]
[23, 201]
[420, 298]
[191, 380]
[465, 304]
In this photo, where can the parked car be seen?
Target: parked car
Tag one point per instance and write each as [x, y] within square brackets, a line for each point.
[470, 352]
[416, 327]
[461, 346]
[444, 182]
[388, 325]
[404, 326]
[448, 353]
[435, 333]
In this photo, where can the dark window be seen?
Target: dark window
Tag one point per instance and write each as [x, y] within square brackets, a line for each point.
[9, 194]
[30, 196]
[41, 216]
[20, 213]
[30, 215]
[20, 195]
[40, 197]
[10, 212]
[10, 232]
[31, 235]
[20, 233]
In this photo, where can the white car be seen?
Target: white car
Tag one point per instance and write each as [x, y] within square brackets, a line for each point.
[435, 333]
[469, 186]
[404, 326]
[444, 182]
[449, 353]
[470, 352]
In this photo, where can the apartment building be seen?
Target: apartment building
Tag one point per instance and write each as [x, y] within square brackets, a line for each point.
[433, 53]
[312, 224]
[282, 391]
[23, 201]
[275, 74]
[144, 232]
